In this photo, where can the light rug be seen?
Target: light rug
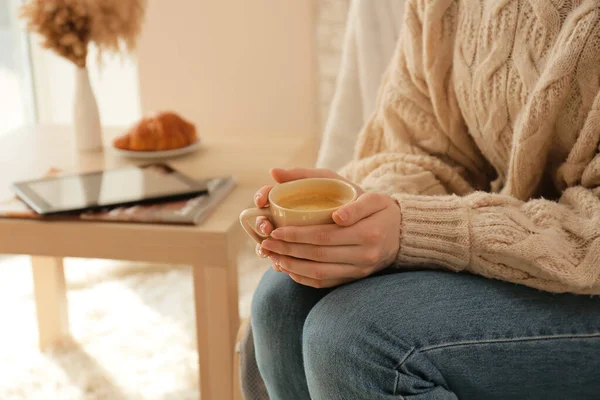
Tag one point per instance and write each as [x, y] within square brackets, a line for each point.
[133, 329]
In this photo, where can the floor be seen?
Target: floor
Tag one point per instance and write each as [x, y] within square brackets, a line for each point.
[132, 325]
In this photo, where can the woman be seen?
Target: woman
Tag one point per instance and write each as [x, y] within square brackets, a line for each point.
[462, 270]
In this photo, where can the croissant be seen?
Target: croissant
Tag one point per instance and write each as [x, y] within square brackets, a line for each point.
[164, 131]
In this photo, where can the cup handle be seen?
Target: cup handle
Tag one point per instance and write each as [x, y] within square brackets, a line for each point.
[250, 214]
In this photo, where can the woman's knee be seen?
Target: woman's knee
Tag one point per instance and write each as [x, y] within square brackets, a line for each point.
[342, 352]
[278, 299]
[270, 293]
[325, 344]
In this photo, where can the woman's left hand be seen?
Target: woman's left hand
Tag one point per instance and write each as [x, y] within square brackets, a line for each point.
[363, 240]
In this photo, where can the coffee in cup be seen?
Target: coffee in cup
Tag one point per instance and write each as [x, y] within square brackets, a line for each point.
[310, 201]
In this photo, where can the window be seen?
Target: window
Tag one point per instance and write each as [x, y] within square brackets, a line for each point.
[17, 104]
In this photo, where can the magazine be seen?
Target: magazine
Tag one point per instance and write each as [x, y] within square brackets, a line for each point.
[190, 211]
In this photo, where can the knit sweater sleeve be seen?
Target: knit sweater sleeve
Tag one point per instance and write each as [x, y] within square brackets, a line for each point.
[549, 245]
[553, 246]
[417, 149]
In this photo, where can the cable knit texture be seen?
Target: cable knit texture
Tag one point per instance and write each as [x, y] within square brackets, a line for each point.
[487, 132]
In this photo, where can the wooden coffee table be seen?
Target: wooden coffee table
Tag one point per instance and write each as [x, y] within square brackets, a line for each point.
[211, 248]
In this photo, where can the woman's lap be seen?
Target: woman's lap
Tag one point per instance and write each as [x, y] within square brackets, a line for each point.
[430, 335]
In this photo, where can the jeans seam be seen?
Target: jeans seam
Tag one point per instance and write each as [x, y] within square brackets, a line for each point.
[398, 366]
[508, 340]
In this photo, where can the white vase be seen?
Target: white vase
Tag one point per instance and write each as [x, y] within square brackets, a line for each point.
[86, 119]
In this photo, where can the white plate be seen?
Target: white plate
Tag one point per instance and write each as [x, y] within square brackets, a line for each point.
[158, 154]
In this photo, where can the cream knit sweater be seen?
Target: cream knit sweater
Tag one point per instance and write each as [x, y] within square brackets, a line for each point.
[487, 132]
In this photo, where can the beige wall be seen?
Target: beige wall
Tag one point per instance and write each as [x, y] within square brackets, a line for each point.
[233, 66]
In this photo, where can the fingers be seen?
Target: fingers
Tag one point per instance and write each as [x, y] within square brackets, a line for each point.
[285, 175]
[302, 280]
[324, 235]
[318, 271]
[262, 253]
[325, 254]
[264, 226]
[365, 206]
[261, 198]
[361, 233]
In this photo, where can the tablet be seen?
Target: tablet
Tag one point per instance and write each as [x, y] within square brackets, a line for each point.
[109, 188]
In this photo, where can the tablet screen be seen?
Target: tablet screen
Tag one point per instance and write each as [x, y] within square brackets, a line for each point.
[106, 188]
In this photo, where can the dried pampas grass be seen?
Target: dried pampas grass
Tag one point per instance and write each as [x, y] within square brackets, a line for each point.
[116, 24]
[68, 26]
[63, 24]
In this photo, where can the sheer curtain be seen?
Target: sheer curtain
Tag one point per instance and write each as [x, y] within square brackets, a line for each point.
[17, 104]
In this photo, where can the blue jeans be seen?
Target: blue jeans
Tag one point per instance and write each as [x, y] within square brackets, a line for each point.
[425, 335]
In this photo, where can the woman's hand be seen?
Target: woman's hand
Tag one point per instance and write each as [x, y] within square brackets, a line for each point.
[363, 240]
[261, 198]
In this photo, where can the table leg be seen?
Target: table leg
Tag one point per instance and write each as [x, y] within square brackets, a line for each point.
[50, 300]
[217, 321]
